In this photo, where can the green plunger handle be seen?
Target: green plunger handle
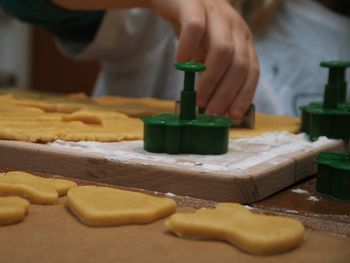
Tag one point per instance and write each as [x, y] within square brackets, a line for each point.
[188, 94]
[335, 91]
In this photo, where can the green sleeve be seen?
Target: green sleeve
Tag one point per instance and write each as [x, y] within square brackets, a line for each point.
[67, 25]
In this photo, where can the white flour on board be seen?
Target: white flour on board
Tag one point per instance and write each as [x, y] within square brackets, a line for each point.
[291, 211]
[271, 148]
[313, 198]
[299, 191]
[170, 194]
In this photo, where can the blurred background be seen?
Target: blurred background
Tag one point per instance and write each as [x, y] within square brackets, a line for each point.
[30, 59]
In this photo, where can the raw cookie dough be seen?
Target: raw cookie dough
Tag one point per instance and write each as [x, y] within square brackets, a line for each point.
[12, 209]
[137, 107]
[93, 117]
[34, 191]
[104, 206]
[49, 107]
[60, 185]
[42, 117]
[253, 233]
[24, 123]
[37, 190]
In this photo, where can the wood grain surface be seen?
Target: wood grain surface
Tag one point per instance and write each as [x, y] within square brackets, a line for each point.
[250, 185]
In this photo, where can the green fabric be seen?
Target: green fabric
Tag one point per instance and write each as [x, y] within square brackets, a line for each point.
[67, 25]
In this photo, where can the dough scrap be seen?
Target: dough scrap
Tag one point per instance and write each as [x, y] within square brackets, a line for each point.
[24, 123]
[93, 117]
[253, 233]
[36, 189]
[49, 107]
[35, 192]
[60, 185]
[105, 206]
[12, 209]
[137, 107]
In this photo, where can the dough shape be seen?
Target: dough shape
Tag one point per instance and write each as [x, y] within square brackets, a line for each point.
[137, 107]
[253, 233]
[93, 117]
[12, 209]
[36, 189]
[105, 206]
[60, 185]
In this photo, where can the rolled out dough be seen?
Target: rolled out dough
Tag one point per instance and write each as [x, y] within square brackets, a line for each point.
[105, 206]
[253, 233]
[12, 209]
[137, 107]
[94, 116]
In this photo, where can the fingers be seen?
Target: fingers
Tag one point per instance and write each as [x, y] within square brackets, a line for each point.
[234, 77]
[243, 99]
[219, 55]
[193, 25]
[213, 32]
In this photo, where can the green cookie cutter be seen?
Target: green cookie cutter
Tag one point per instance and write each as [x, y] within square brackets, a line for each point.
[187, 132]
[333, 175]
[331, 117]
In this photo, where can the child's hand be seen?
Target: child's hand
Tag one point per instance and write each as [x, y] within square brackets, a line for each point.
[213, 32]
[210, 31]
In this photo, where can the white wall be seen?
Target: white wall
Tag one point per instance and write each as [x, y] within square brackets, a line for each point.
[14, 48]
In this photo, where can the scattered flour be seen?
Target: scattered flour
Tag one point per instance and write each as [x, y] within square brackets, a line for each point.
[313, 198]
[299, 191]
[272, 147]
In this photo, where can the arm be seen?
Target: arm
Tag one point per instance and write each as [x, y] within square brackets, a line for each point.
[210, 31]
[67, 25]
[101, 4]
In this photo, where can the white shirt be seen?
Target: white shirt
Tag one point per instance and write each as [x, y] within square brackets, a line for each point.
[137, 51]
[302, 34]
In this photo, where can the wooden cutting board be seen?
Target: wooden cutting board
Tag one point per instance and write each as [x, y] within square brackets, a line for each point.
[252, 169]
